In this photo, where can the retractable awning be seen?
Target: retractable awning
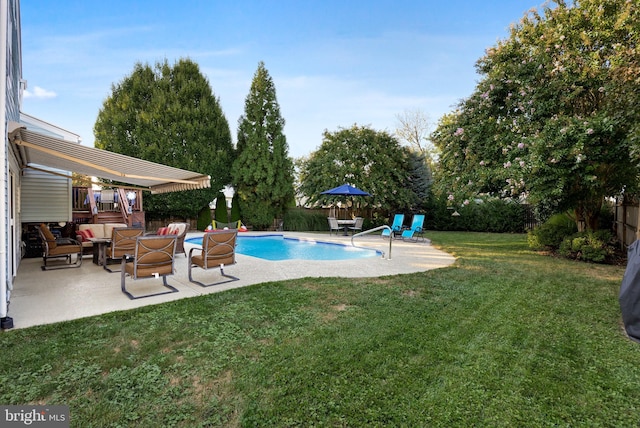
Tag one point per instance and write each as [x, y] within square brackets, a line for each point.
[35, 149]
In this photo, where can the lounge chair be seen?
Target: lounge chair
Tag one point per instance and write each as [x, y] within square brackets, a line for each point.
[396, 227]
[415, 232]
[123, 242]
[218, 250]
[333, 225]
[59, 248]
[152, 257]
[357, 226]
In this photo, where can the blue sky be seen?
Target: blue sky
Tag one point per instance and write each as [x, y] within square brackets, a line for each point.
[334, 63]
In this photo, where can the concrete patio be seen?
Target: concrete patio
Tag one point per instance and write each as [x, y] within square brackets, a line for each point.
[43, 297]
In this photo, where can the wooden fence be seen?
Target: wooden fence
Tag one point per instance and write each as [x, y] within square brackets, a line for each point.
[626, 221]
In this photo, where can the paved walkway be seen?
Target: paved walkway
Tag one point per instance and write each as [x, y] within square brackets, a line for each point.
[43, 297]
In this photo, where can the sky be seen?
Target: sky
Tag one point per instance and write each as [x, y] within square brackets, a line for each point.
[334, 63]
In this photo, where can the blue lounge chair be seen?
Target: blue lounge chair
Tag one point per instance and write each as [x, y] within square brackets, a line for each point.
[415, 232]
[396, 227]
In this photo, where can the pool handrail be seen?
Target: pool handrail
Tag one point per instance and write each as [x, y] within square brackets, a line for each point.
[375, 229]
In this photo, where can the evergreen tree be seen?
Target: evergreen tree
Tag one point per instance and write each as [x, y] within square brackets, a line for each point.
[169, 115]
[263, 171]
[419, 179]
[221, 209]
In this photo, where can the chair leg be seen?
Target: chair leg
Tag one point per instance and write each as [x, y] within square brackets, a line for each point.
[123, 287]
[68, 262]
[106, 267]
[231, 278]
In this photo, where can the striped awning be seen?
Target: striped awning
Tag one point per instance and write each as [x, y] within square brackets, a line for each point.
[36, 150]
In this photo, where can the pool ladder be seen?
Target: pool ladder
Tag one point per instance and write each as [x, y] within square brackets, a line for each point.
[375, 229]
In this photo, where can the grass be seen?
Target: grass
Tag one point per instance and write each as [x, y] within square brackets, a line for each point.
[505, 337]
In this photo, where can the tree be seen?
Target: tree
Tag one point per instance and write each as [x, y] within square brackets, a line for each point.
[546, 122]
[221, 209]
[371, 160]
[420, 180]
[263, 171]
[413, 129]
[169, 115]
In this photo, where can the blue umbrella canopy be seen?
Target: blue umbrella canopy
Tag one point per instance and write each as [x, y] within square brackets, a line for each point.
[345, 190]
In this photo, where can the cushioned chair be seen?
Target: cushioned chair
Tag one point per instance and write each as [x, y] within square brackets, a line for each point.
[396, 227]
[333, 225]
[152, 257]
[415, 232]
[218, 249]
[123, 242]
[178, 229]
[53, 248]
[357, 226]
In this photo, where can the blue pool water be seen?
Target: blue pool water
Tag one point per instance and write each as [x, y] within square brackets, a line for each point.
[278, 247]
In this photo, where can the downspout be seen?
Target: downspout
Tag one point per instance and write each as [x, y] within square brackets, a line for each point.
[4, 25]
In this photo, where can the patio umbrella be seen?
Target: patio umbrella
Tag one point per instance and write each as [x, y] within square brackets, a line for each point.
[345, 190]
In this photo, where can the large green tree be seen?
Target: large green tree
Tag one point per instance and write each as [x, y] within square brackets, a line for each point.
[373, 161]
[546, 120]
[263, 170]
[169, 115]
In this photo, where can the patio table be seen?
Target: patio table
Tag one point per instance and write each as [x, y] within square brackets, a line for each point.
[100, 250]
[346, 224]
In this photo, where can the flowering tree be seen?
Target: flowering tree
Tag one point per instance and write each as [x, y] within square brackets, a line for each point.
[371, 160]
[551, 117]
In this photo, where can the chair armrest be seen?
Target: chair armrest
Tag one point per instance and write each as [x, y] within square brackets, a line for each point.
[68, 241]
[192, 250]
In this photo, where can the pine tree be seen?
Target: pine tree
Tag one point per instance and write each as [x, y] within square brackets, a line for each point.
[263, 171]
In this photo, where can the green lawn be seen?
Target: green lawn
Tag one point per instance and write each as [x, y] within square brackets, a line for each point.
[505, 337]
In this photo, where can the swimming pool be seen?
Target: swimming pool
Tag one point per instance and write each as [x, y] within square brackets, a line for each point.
[278, 247]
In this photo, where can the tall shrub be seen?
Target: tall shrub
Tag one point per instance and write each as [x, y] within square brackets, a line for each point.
[221, 209]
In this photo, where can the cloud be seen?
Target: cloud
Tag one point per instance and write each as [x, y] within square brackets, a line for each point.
[39, 93]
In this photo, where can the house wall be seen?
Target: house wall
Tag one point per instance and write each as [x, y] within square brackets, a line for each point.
[45, 198]
[10, 75]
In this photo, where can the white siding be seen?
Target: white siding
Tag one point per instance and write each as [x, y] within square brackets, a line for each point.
[45, 197]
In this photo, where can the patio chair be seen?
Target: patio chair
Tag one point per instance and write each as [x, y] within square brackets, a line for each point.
[415, 232]
[178, 229]
[333, 225]
[357, 226]
[53, 248]
[396, 227]
[152, 257]
[123, 242]
[218, 250]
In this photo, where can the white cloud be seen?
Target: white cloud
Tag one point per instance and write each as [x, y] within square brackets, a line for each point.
[40, 93]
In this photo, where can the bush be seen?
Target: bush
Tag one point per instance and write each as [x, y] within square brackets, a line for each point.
[595, 247]
[552, 233]
[302, 220]
[221, 209]
[204, 218]
[490, 215]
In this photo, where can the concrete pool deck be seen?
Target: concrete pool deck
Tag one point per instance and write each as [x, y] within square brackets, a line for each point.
[43, 297]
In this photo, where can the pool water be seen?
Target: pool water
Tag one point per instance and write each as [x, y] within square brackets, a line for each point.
[277, 247]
